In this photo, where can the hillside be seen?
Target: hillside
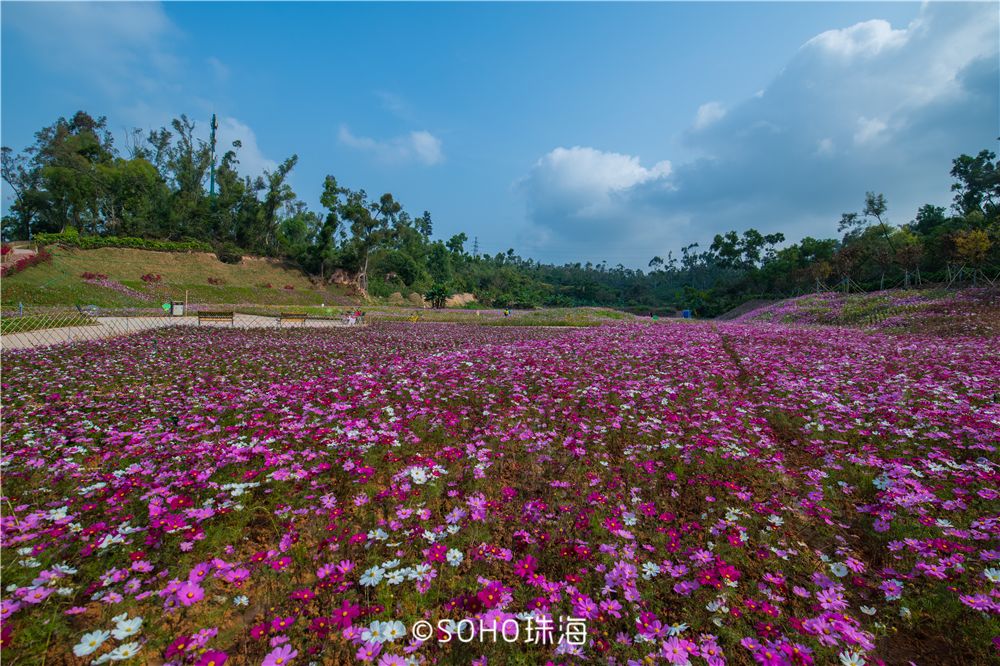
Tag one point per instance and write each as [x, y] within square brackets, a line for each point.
[972, 311]
[200, 274]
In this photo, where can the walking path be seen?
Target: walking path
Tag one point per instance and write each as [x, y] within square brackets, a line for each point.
[110, 327]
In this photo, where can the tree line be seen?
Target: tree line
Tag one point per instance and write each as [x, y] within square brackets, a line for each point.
[74, 177]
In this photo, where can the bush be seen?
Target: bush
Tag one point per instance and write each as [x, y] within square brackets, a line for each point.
[228, 253]
[150, 278]
[216, 281]
[437, 295]
[5, 249]
[289, 287]
[40, 257]
[87, 275]
[71, 238]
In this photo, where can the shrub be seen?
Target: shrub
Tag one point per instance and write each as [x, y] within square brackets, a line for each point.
[5, 249]
[150, 278]
[40, 257]
[437, 295]
[289, 287]
[228, 253]
[70, 237]
[216, 281]
[87, 275]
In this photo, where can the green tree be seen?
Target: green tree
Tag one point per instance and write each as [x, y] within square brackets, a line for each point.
[978, 186]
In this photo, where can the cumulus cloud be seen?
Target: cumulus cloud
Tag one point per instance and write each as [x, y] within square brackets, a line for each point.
[866, 107]
[583, 191]
[867, 38]
[421, 147]
[708, 114]
[253, 162]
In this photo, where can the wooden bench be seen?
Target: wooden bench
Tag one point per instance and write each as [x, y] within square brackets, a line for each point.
[215, 316]
[291, 317]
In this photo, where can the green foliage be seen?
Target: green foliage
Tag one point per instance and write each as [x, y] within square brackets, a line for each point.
[228, 253]
[72, 238]
[72, 186]
[437, 295]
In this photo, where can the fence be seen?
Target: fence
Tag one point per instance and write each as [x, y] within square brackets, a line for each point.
[37, 326]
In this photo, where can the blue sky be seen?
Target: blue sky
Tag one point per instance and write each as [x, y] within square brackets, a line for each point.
[566, 131]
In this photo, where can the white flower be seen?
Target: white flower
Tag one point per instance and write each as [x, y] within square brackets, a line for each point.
[454, 557]
[372, 577]
[123, 652]
[241, 600]
[419, 475]
[373, 634]
[838, 569]
[848, 658]
[992, 575]
[677, 629]
[90, 642]
[127, 628]
[393, 630]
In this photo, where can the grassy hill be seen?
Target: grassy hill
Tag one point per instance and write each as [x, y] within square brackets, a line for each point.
[970, 311]
[206, 280]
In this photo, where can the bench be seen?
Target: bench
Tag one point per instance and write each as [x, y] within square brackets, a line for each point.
[215, 316]
[291, 317]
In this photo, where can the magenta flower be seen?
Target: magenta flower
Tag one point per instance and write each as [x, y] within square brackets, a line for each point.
[190, 593]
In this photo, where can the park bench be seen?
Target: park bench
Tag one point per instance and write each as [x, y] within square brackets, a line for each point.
[291, 317]
[215, 316]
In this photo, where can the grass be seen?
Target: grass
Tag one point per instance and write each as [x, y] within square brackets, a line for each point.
[59, 283]
[36, 322]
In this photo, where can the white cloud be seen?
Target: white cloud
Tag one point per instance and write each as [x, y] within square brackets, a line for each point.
[708, 114]
[825, 146]
[118, 46]
[869, 130]
[589, 179]
[421, 146]
[583, 192]
[253, 162]
[867, 107]
[867, 38]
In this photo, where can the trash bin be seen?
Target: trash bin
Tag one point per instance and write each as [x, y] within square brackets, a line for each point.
[177, 309]
[686, 314]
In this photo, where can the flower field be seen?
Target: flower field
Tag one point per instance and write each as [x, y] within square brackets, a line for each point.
[744, 493]
[965, 312]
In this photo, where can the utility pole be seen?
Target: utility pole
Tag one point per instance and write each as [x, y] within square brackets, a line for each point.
[211, 181]
[475, 247]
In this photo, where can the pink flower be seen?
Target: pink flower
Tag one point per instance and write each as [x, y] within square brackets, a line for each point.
[280, 656]
[190, 593]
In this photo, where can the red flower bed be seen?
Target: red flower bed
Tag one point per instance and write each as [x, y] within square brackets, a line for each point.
[40, 257]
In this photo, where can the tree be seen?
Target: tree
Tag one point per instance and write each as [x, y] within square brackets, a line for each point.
[971, 247]
[370, 225]
[18, 173]
[424, 224]
[439, 263]
[456, 244]
[978, 186]
[278, 192]
[437, 295]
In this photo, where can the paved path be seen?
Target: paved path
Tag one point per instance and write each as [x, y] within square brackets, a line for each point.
[110, 327]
